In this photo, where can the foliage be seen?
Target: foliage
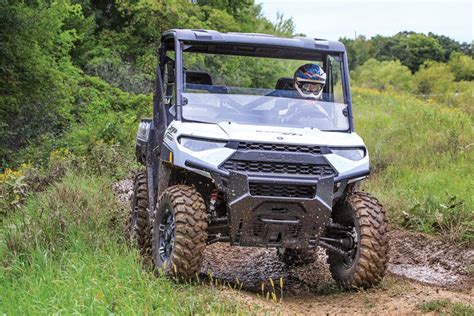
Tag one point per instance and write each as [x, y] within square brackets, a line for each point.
[462, 67]
[53, 50]
[433, 78]
[384, 75]
[13, 188]
[66, 252]
[422, 183]
[36, 73]
[412, 49]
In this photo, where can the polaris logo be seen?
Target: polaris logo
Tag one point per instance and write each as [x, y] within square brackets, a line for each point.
[282, 133]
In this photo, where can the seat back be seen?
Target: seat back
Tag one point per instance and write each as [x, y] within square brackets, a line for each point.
[198, 77]
[285, 83]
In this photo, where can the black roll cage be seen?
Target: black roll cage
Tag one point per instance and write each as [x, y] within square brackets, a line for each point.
[238, 44]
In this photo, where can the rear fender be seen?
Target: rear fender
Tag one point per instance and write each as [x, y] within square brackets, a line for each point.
[145, 153]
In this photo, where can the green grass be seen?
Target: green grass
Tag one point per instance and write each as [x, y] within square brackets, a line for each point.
[435, 306]
[422, 161]
[65, 252]
[446, 307]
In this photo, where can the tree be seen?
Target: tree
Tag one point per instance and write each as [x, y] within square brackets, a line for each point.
[412, 49]
[36, 73]
[359, 50]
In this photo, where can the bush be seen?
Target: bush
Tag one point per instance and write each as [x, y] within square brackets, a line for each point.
[13, 188]
[462, 66]
[383, 75]
[434, 79]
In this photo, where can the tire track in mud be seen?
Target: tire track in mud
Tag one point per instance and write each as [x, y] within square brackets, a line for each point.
[414, 256]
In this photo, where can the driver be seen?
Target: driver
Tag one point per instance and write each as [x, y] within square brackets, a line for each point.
[310, 80]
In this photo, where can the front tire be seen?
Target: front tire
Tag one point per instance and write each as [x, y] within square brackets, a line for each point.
[179, 232]
[368, 264]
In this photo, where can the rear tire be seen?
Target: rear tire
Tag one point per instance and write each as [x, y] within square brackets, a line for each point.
[367, 268]
[179, 232]
[139, 218]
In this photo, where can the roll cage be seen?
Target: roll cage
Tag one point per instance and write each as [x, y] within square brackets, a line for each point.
[249, 44]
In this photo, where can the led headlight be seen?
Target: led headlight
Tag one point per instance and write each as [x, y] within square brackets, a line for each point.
[195, 144]
[349, 153]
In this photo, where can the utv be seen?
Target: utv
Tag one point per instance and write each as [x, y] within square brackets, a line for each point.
[235, 154]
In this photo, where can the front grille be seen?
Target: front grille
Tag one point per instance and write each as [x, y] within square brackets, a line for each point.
[278, 167]
[280, 147]
[282, 190]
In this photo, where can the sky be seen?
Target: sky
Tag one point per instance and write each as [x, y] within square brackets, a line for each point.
[332, 19]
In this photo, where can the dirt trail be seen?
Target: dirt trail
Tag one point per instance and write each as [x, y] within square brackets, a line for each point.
[421, 268]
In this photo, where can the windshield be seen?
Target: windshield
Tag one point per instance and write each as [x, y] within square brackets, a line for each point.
[261, 91]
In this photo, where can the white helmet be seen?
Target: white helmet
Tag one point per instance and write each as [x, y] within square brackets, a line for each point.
[310, 80]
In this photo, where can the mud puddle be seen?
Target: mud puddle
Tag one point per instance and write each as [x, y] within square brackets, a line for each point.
[253, 267]
[413, 256]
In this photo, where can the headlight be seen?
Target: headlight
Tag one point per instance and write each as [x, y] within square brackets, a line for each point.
[200, 144]
[349, 153]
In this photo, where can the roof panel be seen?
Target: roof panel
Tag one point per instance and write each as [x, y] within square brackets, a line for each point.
[188, 35]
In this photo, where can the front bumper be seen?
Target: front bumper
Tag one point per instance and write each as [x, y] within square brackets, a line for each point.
[273, 221]
[286, 222]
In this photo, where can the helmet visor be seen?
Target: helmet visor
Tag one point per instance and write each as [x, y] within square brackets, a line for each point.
[312, 87]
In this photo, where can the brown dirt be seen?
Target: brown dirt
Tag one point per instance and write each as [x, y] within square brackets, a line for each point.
[422, 268]
[395, 296]
[431, 260]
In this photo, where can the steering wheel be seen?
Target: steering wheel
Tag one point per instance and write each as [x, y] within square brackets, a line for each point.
[304, 111]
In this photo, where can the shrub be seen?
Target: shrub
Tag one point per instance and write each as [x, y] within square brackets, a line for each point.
[462, 66]
[384, 75]
[433, 79]
[14, 188]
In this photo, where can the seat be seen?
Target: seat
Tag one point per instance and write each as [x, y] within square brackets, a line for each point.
[198, 77]
[285, 83]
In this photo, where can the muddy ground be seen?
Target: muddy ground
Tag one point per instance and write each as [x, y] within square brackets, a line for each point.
[421, 268]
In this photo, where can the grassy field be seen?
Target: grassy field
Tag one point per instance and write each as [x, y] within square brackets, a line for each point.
[65, 252]
[422, 161]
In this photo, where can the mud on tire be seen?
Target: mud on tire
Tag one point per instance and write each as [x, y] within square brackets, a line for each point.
[140, 230]
[182, 253]
[368, 267]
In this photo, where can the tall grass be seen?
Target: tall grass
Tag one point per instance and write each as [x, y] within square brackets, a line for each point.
[65, 251]
[422, 161]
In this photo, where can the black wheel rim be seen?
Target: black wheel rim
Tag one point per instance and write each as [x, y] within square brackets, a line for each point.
[167, 227]
[350, 258]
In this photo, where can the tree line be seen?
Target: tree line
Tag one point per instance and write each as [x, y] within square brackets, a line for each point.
[410, 48]
[77, 73]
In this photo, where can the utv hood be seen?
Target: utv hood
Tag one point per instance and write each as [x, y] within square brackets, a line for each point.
[270, 134]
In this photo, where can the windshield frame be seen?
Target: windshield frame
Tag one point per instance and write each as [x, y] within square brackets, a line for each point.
[179, 46]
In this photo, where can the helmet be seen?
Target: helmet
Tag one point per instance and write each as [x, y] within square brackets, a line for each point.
[310, 80]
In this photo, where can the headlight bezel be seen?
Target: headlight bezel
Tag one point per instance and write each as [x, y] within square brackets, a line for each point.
[351, 153]
[200, 144]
